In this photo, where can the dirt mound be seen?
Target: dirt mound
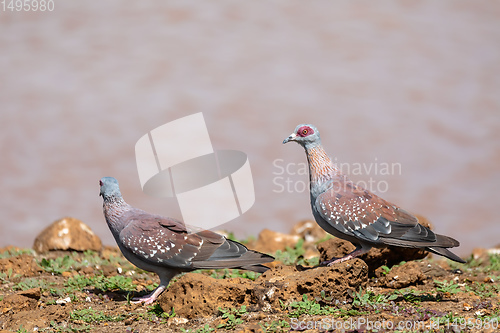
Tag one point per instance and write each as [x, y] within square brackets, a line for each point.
[402, 276]
[24, 265]
[195, 295]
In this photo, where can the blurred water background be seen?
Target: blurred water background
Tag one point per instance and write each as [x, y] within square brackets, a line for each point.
[410, 84]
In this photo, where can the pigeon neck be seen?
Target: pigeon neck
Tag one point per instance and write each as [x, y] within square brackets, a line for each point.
[321, 167]
[114, 207]
[114, 200]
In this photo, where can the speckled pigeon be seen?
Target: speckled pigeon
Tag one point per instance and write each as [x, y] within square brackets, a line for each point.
[166, 246]
[350, 212]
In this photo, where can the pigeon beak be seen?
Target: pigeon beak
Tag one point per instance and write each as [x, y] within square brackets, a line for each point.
[290, 138]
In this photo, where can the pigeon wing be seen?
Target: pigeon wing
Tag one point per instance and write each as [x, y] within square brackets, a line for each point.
[160, 241]
[219, 252]
[357, 212]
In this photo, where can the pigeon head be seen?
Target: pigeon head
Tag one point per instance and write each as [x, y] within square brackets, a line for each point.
[305, 135]
[109, 188]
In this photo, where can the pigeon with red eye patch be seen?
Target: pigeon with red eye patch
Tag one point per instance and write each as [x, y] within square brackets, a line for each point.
[167, 246]
[353, 213]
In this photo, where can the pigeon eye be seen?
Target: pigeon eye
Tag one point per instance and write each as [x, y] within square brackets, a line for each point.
[304, 132]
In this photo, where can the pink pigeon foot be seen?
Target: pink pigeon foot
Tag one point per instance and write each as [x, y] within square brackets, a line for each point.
[358, 251]
[148, 299]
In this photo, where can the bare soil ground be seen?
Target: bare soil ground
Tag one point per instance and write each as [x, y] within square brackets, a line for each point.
[90, 292]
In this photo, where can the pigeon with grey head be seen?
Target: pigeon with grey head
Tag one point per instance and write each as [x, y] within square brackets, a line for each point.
[353, 213]
[167, 246]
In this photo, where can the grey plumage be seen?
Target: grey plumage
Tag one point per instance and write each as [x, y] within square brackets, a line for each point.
[168, 247]
[351, 212]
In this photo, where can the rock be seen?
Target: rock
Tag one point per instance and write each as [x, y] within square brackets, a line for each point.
[287, 283]
[34, 293]
[67, 234]
[66, 274]
[309, 231]
[190, 299]
[402, 276]
[22, 301]
[376, 257]
[271, 241]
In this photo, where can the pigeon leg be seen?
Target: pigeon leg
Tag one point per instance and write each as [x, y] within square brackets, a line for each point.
[358, 251]
[148, 299]
[165, 278]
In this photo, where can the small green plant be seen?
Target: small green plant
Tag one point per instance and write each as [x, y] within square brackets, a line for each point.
[447, 287]
[157, 312]
[308, 307]
[370, 299]
[15, 252]
[92, 316]
[58, 265]
[233, 317]
[276, 326]
[494, 265]
[484, 289]
[204, 329]
[54, 327]
[291, 256]
[29, 283]
[115, 282]
[234, 273]
[447, 319]
[129, 298]
[21, 329]
[8, 276]
[78, 282]
[385, 269]
[412, 296]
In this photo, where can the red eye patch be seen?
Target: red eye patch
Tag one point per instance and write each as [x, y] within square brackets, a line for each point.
[305, 131]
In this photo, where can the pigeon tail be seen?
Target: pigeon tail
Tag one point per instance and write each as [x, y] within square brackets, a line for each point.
[445, 253]
[251, 260]
[256, 268]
